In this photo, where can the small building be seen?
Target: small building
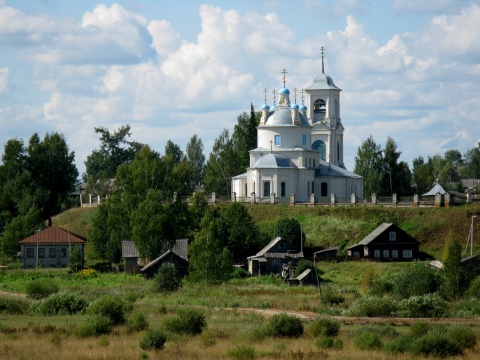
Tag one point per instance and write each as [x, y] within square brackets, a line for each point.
[270, 259]
[329, 254]
[177, 256]
[307, 277]
[131, 256]
[50, 247]
[386, 243]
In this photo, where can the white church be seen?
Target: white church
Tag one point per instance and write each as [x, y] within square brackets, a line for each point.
[300, 148]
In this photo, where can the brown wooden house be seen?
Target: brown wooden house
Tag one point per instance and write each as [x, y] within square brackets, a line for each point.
[386, 243]
[131, 257]
[50, 247]
[177, 256]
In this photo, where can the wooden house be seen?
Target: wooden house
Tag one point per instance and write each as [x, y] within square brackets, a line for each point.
[177, 256]
[50, 247]
[329, 254]
[386, 243]
[270, 259]
[131, 257]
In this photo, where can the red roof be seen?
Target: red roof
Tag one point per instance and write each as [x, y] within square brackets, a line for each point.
[53, 235]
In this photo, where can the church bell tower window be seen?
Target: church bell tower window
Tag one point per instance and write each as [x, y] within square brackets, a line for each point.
[319, 110]
[320, 146]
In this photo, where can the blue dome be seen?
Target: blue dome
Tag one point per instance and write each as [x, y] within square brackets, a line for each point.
[282, 116]
[274, 107]
[265, 107]
[284, 91]
[303, 107]
[294, 106]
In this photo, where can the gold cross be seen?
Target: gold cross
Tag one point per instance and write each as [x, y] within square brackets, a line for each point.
[265, 92]
[284, 72]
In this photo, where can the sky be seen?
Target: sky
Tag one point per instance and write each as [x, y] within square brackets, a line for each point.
[409, 69]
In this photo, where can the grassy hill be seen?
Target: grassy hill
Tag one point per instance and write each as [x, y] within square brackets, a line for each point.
[342, 225]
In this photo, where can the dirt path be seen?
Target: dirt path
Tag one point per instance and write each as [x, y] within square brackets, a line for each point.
[13, 294]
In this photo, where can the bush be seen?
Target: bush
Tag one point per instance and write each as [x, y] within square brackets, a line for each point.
[332, 297]
[188, 321]
[153, 340]
[166, 279]
[284, 325]
[369, 278]
[466, 308]
[323, 326]
[239, 273]
[112, 307]
[372, 306]
[462, 336]
[368, 341]
[137, 322]
[14, 306]
[474, 288]
[60, 303]
[400, 345]
[41, 288]
[416, 279]
[429, 305]
[435, 343]
[419, 329]
[382, 330]
[302, 266]
[94, 326]
[241, 352]
[328, 342]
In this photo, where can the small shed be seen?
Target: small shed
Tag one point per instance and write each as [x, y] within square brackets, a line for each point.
[270, 259]
[307, 277]
[386, 243]
[329, 254]
[50, 247]
[177, 256]
[131, 256]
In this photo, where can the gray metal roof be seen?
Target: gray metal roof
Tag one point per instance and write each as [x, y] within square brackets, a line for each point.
[326, 170]
[273, 161]
[282, 116]
[373, 235]
[322, 82]
[180, 249]
[129, 250]
[435, 190]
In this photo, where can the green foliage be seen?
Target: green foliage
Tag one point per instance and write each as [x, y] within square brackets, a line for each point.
[419, 328]
[187, 321]
[60, 303]
[241, 352]
[332, 296]
[414, 280]
[14, 306]
[399, 345]
[468, 308]
[368, 341]
[323, 326]
[472, 163]
[99, 234]
[452, 270]
[244, 137]
[368, 163]
[370, 278]
[429, 305]
[76, 259]
[372, 306]
[328, 342]
[137, 322]
[290, 230]
[112, 307]
[302, 266]
[436, 344]
[95, 325]
[463, 336]
[196, 159]
[40, 288]
[166, 279]
[284, 325]
[153, 340]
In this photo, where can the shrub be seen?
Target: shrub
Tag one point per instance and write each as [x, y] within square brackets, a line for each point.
[188, 321]
[474, 288]
[302, 266]
[383, 330]
[419, 328]
[466, 308]
[41, 288]
[369, 279]
[368, 341]
[323, 326]
[137, 322]
[153, 340]
[429, 305]
[435, 343]
[416, 279]
[14, 306]
[241, 352]
[325, 342]
[239, 273]
[462, 336]
[399, 345]
[60, 303]
[332, 297]
[372, 306]
[112, 307]
[94, 326]
[166, 279]
[284, 325]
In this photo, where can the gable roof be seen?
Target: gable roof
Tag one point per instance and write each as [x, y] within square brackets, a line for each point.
[377, 232]
[181, 248]
[265, 251]
[53, 235]
[435, 190]
[129, 250]
[161, 257]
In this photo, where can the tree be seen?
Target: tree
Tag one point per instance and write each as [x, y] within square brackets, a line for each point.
[396, 177]
[245, 136]
[197, 210]
[99, 235]
[290, 230]
[173, 153]
[472, 163]
[76, 259]
[452, 270]
[422, 174]
[368, 163]
[196, 159]
[166, 279]
[210, 261]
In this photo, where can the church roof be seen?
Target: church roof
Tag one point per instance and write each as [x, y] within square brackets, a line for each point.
[436, 189]
[273, 161]
[325, 170]
[282, 116]
[322, 82]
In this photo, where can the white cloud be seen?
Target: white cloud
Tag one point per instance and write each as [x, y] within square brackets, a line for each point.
[4, 80]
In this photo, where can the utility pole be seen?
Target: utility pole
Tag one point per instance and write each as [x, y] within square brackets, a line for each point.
[470, 237]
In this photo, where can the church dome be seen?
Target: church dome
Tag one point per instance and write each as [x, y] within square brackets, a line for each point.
[284, 91]
[282, 116]
[321, 82]
[265, 107]
[303, 107]
[295, 106]
[273, 161]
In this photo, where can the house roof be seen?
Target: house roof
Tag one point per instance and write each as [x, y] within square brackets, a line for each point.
[153, 262]
[180, 249]
[129, 250]
[264, 252]
[270, 245]
[435, 190]
[304, 274]
[326, 169]
[468, 258]
[375, 233]
[53, 235]
[326, 250]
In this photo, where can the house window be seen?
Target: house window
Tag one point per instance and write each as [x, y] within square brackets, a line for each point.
[376, 253]
[313, 187]
[304, 139]
[386, 254]
[393, 236]
[277, 140]
[30, 253]
[266, 188]
[407, 254]
[282, 189]
[52, 253]
[64, 252]
[324, 189]
[41, 253]
[395, 254]
[320, 146]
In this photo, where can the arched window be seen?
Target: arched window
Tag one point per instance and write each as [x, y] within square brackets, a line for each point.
[266, 188]
[324, 189]
[320, 146]
[319, 110]
[282, 189]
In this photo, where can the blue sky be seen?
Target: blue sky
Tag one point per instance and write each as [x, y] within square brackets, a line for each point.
[409, 69]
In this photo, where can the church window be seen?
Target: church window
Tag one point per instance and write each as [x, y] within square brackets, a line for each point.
[277, 140]
[304, 139]
[282, 189]
[266, 188]
[320, 146]
[324, 189]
